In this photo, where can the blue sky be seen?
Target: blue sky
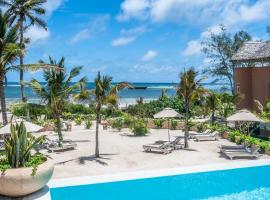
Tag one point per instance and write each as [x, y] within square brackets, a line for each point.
[139, 40]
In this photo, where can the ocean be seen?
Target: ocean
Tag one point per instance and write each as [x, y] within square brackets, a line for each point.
[153, 91]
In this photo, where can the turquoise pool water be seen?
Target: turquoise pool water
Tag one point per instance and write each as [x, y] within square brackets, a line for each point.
[251, 183]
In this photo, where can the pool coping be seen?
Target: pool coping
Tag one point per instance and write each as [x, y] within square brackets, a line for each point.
[124, 176]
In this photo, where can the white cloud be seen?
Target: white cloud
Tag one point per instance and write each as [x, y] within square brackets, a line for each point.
[122, 41]
[37, 34]
[95, 25]
[207, 12]
[82, 35]
[52, 5]
[193, 47]
[133, 9]
[129, 35]
[149, 55]
[134, 31]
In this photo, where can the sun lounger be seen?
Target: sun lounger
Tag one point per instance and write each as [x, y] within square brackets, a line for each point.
[164, 147]
[248, 153]
[192, 134]
[53, 146]
[206, 137]
[231, 147]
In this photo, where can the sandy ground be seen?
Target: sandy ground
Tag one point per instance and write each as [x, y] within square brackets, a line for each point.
[122, 152]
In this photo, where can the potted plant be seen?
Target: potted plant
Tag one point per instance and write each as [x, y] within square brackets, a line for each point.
[23, 172]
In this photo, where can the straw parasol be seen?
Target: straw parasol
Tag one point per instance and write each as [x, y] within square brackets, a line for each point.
[245, 119]
[167, 113]
[243, 116]
[30, 127]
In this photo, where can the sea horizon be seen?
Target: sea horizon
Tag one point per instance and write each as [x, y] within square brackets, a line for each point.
[152, 91]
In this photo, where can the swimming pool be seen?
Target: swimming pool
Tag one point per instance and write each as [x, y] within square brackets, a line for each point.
[247, 183]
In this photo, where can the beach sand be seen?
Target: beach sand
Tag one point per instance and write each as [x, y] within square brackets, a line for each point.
[123, 152]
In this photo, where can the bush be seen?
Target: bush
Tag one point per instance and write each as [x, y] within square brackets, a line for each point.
[43, 122]
[148, 110]
[128, 120]
[139, 128]
[78, 120]
[201, 127]
[79, 109]
[112, 113]
[118, 123]
[158, 122]
[67, 116]
[88, 123]
[35, 110]
[174, 124]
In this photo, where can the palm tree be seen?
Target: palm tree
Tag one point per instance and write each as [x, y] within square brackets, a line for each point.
[104, 94]
[189, 89]
[57, 89]
[9, 53]
[228, 105]
[24, 14]
[212, 101]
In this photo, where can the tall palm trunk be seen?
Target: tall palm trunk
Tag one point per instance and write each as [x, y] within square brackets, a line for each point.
[213, 117]
[186, 125]
[59, 129]
[23, 97]
[3, 101]
[21, 59]
[97, 129]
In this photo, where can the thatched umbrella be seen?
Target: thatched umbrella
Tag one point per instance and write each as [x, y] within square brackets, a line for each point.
[167, 113]
[244, 117]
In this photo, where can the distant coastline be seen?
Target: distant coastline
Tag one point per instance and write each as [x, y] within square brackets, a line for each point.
[127, 97]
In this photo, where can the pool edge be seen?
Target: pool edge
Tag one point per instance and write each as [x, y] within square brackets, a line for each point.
[86, 180]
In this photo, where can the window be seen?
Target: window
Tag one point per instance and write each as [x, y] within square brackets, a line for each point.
[238, 88]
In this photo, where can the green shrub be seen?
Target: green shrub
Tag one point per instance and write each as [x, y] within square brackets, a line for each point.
[78, 120]
[201, 127]
[88, 123]
[35, 110]
[158, 122]
[79, 109]
[139, 128]
[232, 135]
[128, 121]
[44, 122]
[112, 113]
[67, 116]
[118, 123]
[213, 127]
[174, 124]
[148, 110]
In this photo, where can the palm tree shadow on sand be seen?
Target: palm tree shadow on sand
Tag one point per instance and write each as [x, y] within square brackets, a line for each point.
[101, 160]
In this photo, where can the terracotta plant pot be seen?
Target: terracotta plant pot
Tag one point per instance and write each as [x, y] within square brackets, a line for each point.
[267, 152]
[225, 135]
[237, 139]
[20, 182]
